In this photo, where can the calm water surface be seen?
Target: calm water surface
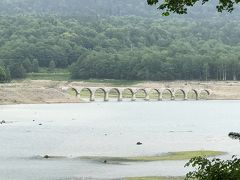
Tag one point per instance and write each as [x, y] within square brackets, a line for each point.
[111, 129]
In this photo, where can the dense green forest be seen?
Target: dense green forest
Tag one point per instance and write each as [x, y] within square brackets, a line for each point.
[115, 44]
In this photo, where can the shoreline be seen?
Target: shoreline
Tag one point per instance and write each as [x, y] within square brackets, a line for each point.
[52, 92]
[88, 102]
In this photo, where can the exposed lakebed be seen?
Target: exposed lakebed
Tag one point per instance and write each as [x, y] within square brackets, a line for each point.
[69, 131]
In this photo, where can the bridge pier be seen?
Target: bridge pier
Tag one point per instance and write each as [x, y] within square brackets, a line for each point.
[92, 97]
[106, 97]
[147, 98]
[197, 97]
[134, 97]
[160, 97]
[120, 96]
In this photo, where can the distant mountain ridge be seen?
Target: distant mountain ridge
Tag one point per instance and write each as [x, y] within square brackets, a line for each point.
[78, 7]
[104, 8]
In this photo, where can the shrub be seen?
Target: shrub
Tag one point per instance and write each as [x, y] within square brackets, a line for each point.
[215, 169]
[234, 135]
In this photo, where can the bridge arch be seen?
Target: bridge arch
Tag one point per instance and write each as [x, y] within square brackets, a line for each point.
[99, 90]
[74, 90]
[91, 98]
[194, 96]
[204, 94]
[138, 94]
[207, 91]
[128, 93]
[152, 92]
[167, 90]
[117, 91]
[182, 91]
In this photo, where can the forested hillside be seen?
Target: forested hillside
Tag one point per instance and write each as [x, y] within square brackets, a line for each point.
[115, 47]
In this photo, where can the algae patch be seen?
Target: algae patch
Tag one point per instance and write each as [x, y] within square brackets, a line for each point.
[171, 156]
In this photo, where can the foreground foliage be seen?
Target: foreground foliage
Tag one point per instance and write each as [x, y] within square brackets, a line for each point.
[234, 135]
[215, 169]
[181, 7]
[154, 178]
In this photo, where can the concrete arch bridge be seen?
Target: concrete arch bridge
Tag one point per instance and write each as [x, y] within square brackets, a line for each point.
[133, 93]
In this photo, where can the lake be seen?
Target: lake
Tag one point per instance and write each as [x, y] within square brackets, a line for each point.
[111, 129]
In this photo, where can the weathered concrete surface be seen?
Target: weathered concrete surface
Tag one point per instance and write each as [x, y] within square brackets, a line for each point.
[186, 92]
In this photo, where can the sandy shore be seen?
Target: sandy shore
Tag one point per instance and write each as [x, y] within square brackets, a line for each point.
[44, 91]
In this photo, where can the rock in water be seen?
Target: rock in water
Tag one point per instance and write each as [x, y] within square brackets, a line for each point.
[3, 122]
[139, 143]
[46, 157]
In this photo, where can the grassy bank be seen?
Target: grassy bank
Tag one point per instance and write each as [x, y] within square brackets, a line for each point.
[64, 75]
[49, 76]
[113, 82]
[44, 74]
[171, 156]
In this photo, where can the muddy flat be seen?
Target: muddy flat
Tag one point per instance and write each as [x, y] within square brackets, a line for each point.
[46, 91]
